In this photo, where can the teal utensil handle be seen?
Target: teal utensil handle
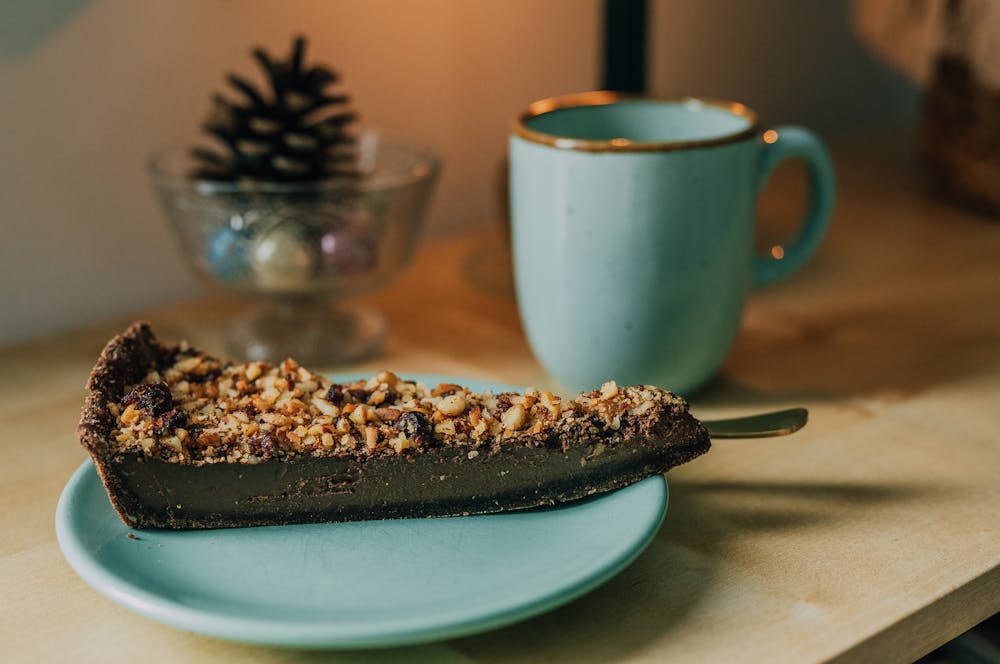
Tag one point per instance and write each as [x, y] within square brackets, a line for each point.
[797, 142]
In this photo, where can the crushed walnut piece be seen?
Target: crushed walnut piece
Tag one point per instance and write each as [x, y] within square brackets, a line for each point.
[195, 409]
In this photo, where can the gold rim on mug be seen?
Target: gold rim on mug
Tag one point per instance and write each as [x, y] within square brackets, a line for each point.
[605, 97]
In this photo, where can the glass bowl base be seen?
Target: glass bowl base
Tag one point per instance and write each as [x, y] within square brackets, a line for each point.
[316, 334]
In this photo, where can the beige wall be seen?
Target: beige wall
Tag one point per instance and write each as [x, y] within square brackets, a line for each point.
[88, 88]
[794, 61]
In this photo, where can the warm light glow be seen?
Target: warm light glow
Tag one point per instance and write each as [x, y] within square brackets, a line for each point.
[770, 136]
[777, 252]
[619, 141]
[738, 108]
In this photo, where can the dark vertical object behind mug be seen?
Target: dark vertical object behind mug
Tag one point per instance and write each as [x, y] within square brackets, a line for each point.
[625, 45]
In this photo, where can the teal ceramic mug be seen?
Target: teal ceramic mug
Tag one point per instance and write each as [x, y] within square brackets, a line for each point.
[632, 225]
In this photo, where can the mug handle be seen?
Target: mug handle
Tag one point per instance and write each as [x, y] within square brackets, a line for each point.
[783, 143]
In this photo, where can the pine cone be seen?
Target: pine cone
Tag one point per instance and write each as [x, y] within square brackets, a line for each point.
[295, 132]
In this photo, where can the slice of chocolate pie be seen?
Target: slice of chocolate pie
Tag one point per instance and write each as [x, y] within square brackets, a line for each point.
[184, 440]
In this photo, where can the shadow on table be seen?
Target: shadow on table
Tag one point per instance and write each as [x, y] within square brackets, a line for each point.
[657, 593]
[652, 598]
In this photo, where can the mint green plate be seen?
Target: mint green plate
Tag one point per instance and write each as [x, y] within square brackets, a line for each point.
[363, 584]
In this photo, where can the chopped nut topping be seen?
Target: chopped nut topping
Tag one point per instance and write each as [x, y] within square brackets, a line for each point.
[445, 428]
[388, 414]
[551, 403]
[609, 390]
[325, 407]
[513, 418]
[253, 371]
[445, 388]
[360, 415]
[452, 405]
[130, 415]
[196, 410]
[187, 364]
[387, 378]
[371, 438]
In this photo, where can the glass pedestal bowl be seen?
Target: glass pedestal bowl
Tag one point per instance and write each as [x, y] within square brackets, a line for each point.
[300, 248]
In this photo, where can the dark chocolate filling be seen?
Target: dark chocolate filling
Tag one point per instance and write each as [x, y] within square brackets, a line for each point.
[442, 482]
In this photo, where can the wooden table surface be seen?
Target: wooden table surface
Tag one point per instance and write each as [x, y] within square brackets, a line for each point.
[872, 535]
